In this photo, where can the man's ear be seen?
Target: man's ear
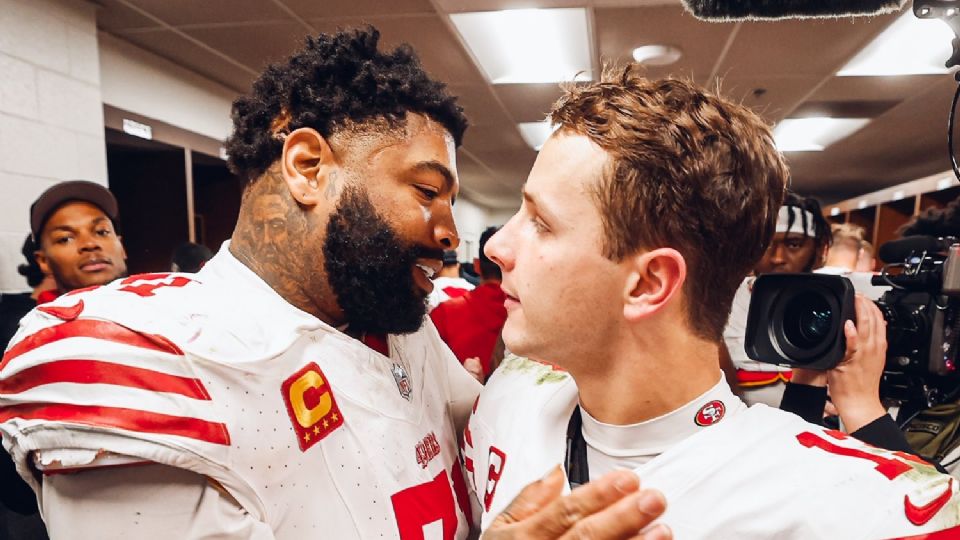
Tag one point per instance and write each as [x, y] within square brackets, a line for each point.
[824, 251]
[655, 277]
[308, 167]
[42, 262]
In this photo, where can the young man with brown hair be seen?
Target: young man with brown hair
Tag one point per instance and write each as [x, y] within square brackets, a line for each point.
[642, 214]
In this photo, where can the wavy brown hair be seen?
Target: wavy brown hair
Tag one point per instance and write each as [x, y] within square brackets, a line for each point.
[688, 170]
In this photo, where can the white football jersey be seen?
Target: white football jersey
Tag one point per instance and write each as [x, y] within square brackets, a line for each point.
[311, 431]
[439, 294]
[760, 473]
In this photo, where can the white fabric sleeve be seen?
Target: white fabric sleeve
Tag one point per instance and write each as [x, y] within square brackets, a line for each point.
[734, 334]
[464, 390]
[145, 502]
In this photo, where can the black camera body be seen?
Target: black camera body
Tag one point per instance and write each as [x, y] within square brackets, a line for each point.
[796, 320]
[793, 319]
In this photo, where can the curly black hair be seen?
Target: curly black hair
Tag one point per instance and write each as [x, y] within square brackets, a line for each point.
[336, 80]
[935, 222]
[822, 234]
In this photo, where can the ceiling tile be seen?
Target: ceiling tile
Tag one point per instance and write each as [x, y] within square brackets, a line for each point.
[434, 42]
[114, 16]
[510, 168]
[181, 51]
[906, 143]
[528, 102]
[620, 30]
[211, 11]
[770, 96]
[816, 47]
[314, 9]
[275, 41]
[879, 88]
[487, 139]
[479, 104]
[460, 6]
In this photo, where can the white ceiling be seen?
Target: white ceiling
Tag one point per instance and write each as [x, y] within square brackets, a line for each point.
[777, 68]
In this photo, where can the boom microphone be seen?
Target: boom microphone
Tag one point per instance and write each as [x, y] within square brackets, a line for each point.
[733, 10]
[896, 251]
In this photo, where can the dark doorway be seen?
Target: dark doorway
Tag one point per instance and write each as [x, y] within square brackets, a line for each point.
[149, 180]
[216, 200]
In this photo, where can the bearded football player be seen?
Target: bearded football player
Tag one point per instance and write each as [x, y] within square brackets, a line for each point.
[291, 388]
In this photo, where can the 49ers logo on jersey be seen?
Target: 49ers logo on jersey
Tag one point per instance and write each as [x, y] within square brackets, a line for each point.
[710, 414]
[312, 408]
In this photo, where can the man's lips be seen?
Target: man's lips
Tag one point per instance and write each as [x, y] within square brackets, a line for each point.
[510, 300]
[423, 272]
[96, 265]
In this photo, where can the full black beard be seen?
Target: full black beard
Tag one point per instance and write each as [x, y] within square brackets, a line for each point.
[370, 269]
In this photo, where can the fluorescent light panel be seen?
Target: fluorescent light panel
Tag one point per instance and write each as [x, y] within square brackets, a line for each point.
[536, 133]
[909, 46]
[814, 134]
[529, 45]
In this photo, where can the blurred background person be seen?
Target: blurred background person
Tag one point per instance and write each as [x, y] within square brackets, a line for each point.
[13, 306]
[844, 252]
[448, 283]
[800, 243]
[471, 324]
[18, 505]
[867, 261]
[74, 226]
[190, 257]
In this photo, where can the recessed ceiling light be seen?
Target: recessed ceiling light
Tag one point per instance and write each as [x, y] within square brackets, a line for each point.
[536, 133]
[529, 45]
[909, 46]
[814, 134]
[657, 55]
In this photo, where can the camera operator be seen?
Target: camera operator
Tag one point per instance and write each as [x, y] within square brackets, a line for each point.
[854, 384]
[800, 244]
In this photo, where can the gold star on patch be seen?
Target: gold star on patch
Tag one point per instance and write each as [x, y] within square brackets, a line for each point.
[335, 417]
[326, 424]
[316, 430]
[306, 437]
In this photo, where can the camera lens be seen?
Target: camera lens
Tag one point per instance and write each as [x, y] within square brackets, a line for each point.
[807, 320]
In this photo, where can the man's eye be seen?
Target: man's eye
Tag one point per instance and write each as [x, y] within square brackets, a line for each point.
[104, 232]
[538, 225]
[62, 240]
[429, 193]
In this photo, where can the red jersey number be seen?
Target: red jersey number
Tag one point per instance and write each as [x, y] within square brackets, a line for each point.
[887, 466]
[424, 504]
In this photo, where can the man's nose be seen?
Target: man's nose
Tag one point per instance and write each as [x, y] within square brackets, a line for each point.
[776, 255]
[498, 247]
[89, 242]
[445, 230]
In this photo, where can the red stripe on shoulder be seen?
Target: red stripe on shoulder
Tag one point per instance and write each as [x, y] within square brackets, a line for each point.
[99, 372]
[127, 419]
[947, 534]
[97, 329]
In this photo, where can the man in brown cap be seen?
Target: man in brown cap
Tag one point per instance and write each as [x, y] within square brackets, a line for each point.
[73, 224]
